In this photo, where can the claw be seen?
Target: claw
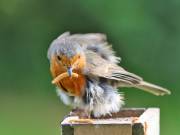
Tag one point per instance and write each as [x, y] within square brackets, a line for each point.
[81, 121]
[80, 116]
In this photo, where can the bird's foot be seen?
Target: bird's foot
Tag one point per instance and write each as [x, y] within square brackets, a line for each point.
[80, 113]
[83, 117]
[81, 121]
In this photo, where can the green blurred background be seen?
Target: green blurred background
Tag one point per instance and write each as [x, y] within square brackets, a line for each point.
[145, 33]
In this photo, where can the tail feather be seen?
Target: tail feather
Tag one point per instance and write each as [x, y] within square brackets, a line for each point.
[151, 88]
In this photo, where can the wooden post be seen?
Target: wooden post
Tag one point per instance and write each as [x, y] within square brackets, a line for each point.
[129, 121]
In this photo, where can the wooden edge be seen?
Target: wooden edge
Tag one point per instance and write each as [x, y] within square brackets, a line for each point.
[125, 112]
[126, 115]
[149, 120]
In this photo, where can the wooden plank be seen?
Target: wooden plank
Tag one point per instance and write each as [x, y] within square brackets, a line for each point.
[124, 129]
[129, 121]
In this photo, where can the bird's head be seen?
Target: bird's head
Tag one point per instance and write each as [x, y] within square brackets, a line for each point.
[68, 54]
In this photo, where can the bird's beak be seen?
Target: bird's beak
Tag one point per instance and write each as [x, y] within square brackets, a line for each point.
[69, 71]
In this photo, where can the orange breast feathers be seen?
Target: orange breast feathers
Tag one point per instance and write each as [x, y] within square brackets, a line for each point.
[74, 86]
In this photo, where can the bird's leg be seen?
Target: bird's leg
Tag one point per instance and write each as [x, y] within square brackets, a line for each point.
[79, 112]
[83, 116]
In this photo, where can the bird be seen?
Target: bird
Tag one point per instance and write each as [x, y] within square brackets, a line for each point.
[87, 74]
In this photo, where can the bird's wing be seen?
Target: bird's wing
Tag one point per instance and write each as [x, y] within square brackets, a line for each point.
[99, 67]
[97, 43]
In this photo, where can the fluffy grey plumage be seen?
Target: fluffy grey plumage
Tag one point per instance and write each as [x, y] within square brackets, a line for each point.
[103, 74]
[57, 47]
[100, 99]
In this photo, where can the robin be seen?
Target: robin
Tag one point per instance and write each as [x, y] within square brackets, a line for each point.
[87, 74]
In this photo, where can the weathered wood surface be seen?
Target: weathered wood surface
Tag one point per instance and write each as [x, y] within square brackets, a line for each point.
[130, 121]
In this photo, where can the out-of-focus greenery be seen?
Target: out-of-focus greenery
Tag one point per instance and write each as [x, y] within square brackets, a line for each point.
[145, 33]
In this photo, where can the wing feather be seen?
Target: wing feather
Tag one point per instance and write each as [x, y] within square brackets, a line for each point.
[97, 66]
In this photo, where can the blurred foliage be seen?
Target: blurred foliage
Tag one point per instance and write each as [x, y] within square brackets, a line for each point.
[144, 33]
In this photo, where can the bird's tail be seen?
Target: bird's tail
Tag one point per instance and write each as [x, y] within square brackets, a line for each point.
[151, 88]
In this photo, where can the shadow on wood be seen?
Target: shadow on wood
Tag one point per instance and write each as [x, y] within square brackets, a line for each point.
[129, 121]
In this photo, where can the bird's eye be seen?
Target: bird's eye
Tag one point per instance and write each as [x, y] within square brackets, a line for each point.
[58, 57]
